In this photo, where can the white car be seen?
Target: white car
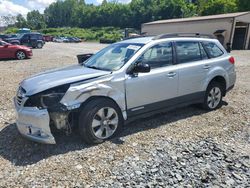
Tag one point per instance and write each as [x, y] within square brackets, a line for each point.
[124, 81]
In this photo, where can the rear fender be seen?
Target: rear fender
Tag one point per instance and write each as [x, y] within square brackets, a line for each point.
[218, 71]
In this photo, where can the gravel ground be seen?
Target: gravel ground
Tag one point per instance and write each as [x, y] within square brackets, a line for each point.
[186, 147]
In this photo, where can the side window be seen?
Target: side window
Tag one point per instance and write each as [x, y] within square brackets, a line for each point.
[188, 51]
[212, 49]
[33, 37]
[203, 52]
[160, 55]
[25, 37]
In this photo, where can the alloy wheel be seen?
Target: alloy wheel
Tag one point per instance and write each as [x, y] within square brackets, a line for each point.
[20, 55]
[105, 122]
[214, 97]
[39, 45]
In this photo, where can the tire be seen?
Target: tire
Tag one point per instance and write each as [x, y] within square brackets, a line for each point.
[33, 45]
[39, 45]
[98, 116]
[213, 96]
[20, 55]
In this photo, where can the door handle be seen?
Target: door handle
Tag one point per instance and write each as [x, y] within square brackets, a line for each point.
[206, 67]
[171, 74]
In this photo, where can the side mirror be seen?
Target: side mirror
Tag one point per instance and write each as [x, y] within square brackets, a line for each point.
[6, 46]
[83, 57]
[143, 68]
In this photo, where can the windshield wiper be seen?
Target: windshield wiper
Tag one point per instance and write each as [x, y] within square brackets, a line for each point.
[97, 68]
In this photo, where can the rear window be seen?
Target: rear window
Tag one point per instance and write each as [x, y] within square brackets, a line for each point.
[212, 49]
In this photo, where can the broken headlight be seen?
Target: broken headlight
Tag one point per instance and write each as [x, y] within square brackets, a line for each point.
[48, 98]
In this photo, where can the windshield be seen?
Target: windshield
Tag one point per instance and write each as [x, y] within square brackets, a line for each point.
[113, 57]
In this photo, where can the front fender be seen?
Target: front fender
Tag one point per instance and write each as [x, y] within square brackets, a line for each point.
[107, 87]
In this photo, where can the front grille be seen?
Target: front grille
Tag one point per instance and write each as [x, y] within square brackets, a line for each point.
[20, 95]
[19, 100]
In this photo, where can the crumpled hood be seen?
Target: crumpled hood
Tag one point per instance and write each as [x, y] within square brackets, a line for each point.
[56, 77]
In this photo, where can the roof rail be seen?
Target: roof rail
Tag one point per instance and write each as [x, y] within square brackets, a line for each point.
[174, 35]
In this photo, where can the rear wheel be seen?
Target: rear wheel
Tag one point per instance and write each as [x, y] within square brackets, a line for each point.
[100, 120]
[20, 55]
[39, 45]
[213, 96]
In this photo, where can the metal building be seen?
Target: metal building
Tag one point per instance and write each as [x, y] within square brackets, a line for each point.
[231, 29]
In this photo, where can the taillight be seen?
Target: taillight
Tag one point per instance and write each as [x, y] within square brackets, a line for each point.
[232, 60]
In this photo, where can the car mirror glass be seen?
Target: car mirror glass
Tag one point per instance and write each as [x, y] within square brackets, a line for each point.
[141, 68]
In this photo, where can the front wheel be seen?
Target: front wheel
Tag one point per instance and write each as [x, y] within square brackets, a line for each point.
[99, 120]
[213, 96]
[20, 55]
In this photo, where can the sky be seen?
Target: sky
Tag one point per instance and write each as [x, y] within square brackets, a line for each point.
[14, 7]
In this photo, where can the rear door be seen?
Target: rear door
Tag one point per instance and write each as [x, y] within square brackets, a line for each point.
[193, 66]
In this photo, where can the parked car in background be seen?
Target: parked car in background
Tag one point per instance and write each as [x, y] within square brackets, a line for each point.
[8, 51]
[127, 80]
[73, 39]
[7, 36]
[34, 40]
[48, 38]
[66, 39]
[58, 39]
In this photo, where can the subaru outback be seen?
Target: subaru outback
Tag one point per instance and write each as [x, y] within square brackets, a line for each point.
[130, 79]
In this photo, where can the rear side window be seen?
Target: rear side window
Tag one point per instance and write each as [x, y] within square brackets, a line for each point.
[203, 52]
[33, 37]
[188, 51]
[212, 49]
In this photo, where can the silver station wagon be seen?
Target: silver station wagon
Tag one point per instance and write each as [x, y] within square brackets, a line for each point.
[130, 79]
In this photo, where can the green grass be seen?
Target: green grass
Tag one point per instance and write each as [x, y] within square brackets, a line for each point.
[91, 34]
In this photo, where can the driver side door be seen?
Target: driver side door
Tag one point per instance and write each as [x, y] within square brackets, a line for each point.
[156, 89]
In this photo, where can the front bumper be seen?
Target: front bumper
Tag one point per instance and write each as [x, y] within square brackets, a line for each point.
[33, 124]
[29, 54]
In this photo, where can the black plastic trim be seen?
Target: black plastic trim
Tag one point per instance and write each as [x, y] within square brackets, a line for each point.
[230, 88]
[166, 105]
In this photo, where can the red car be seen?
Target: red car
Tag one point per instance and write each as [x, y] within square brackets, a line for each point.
[9, 51]
[48, 38]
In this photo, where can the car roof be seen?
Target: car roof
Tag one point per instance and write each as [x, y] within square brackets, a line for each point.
[145, 40]
[32, 33]
[139, 40]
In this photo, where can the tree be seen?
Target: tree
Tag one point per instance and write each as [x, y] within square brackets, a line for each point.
[210, 7]
[35, 20]
[20, 21]
[243, 5]
[8, 20]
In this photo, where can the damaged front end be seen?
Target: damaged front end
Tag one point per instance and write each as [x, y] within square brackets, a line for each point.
[36, 114]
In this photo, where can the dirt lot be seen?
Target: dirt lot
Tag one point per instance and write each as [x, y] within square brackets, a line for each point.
[185, 147]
